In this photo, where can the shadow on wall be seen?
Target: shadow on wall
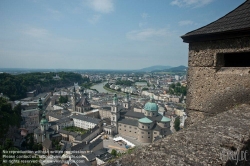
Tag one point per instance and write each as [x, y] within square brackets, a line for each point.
[227, 100]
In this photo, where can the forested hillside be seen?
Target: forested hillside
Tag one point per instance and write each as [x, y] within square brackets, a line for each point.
[16, 86]
[8, 116]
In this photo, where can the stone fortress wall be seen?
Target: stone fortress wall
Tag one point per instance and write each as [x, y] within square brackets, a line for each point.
[213, 88]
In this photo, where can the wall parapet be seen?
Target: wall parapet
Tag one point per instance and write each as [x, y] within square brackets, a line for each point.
[211, 141]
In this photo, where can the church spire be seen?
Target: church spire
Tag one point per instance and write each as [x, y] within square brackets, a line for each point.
[115, 100]
[40, 104]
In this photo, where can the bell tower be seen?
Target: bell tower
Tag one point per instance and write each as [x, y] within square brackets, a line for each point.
[115, 113]
[126, 102]
[73, 98]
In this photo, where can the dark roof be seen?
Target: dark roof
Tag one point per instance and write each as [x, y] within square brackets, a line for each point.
[155, 118]
[91, 146]
[86, 118]
[101, 152]
[47, 143]
[90, 156]
[86, 147]
[235, 21]
[78, 146]
[131, 122]
[133, 114]
[105, 157]
[107, 108]
[59, 114]
[83, 102]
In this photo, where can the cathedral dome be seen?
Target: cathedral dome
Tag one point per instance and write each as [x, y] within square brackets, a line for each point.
[151, 106]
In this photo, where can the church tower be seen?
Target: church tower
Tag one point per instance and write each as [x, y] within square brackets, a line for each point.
[115, 113]
[73, 98]
[126, 102]
[44, 126]
[40, 108]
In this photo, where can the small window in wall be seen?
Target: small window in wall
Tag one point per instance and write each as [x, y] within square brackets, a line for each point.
[142, 126]
[148, 132]
[148, 137]
[241, 59]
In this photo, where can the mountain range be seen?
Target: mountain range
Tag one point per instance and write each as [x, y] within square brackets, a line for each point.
[153, 68]
[159, 68]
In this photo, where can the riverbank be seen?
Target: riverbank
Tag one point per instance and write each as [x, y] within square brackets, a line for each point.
[118, 92]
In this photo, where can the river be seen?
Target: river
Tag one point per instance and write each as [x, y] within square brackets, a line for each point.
[100, 88]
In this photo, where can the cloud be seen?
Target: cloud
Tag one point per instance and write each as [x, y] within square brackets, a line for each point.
[36, 32]
[185, 22]
[141, 24]
[148, 34]
[144, 15]
[54, 14]
[102, 6]
[144, 22]
[193, 3]
[94, 19]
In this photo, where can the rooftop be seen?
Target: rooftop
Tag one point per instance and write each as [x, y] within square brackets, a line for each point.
[86, 118]
[233, 22]
[145, 120]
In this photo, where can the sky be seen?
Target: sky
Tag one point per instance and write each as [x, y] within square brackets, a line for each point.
[101, 34]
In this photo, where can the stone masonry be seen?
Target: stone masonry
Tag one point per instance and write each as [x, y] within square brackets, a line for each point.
[211, 87]
[219, 136]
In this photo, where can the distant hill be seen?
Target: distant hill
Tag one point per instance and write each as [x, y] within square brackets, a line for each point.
[173, 69]
[152, 68]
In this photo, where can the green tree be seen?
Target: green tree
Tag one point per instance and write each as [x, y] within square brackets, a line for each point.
[144, 89]
[114, 152]
[63, 99]
[177, 124]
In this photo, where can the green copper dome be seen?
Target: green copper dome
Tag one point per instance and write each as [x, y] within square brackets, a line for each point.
[115, 97]
[151, 106]
[145, 120]
[43, 120]
[165, 119]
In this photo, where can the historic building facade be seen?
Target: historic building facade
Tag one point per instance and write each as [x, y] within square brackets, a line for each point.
[146, 127]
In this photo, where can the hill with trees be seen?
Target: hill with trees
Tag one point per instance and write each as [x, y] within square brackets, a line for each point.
[16, 86]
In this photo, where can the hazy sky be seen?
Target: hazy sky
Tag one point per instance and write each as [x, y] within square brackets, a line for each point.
[101, 34]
